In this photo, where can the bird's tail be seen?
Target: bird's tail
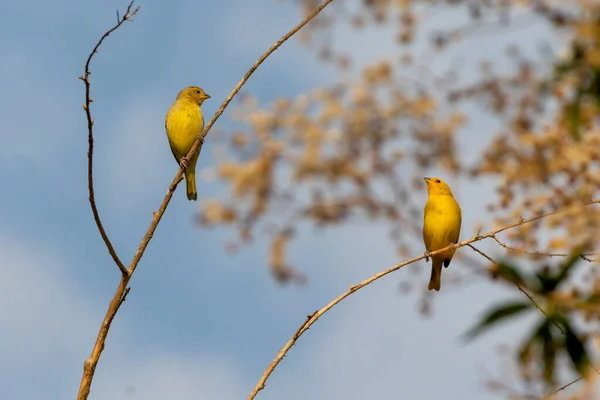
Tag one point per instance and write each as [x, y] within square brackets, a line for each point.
[190, 184]
[435, 282]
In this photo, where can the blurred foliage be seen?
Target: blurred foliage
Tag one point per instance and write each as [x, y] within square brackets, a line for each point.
[357, 148]
[552, 334]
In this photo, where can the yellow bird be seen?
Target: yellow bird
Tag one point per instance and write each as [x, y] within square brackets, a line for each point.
[441, 227]
[184, 123]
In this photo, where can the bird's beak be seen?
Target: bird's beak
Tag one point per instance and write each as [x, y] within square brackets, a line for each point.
[427, 179]
[207, 96]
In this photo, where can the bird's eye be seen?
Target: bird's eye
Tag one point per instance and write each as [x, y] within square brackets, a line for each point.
[197, 91]
[437, 181]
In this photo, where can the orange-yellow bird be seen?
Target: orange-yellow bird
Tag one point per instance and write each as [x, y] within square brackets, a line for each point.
[441, 227]
[184, 122]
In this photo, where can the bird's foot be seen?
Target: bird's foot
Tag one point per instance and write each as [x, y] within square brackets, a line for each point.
[183, 164]
[427, 256]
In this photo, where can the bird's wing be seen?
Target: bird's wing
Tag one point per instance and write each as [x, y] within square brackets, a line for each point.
[427, 234]
[176, 154]
[455, 231]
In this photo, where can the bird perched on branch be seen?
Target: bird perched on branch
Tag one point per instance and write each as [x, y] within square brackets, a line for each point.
[441, 227]
[184, 123]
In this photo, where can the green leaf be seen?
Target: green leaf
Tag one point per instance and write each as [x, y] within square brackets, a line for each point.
[543, 336]
[509, 273]
[526, 353]
[493, 317]
[550, 282]
[547, 282]
[576, 349]
[569, 263]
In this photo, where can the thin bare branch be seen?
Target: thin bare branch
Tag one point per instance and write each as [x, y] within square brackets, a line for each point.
[122, 290]
[200, 140]
[560, 389]
[531, 299]
[584, 256]
[129, 13]
[309, 322]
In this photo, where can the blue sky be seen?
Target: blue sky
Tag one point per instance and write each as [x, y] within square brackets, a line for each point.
[198, 323]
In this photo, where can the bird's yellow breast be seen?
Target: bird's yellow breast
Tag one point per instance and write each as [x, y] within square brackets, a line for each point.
[441, 225]
[183, 123]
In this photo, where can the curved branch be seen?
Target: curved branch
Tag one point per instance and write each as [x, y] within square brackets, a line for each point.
[200, 139]
[311, 319]
[584, 256]
[532, 301]
[517, 285]
[129, 13]
[560, 389]
[122, 290]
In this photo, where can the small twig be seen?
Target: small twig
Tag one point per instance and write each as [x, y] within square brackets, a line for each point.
[532, 300]
[560, 389]
[584, 256]
[122, 290]
[89, 366]
[308, 318]
[130, 12]
[200, 139]
[307, 324]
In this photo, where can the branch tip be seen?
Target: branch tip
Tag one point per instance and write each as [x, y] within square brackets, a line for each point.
[314, 317]
[122, 291]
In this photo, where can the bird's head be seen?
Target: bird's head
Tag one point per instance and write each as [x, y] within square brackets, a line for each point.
[194, 93]
[437, 186]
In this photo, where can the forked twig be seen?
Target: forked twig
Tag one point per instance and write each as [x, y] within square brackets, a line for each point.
[126, 273]
[560, 389]
[535, 303]
[129, 13]
[517, 285]
[584, 256]
[307, 324]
